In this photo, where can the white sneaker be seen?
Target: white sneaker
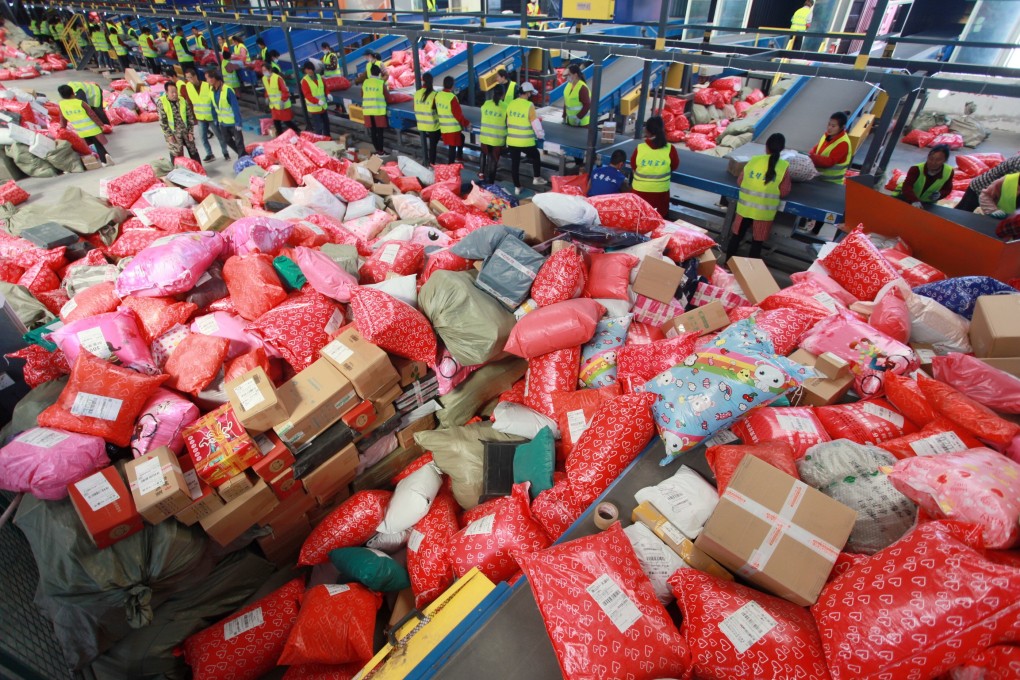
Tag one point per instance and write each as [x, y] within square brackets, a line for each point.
[109, 160]
[517, 191]
[540, 182]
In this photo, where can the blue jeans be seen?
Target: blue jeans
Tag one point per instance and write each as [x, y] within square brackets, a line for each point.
[203, 129]
[320, 122]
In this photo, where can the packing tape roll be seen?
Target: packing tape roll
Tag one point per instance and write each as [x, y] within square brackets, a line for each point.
[605, 514]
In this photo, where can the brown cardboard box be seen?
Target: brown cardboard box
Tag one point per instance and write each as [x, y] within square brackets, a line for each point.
[361, 417]
[374, 164]
[735, 167]
[537, 227]
[204, 504]
[754, 278]
[276, 180]
[216, 213]
[104, 505]
[91, 162]
[1010, 365]
[226, 524]
[136, 81]
[995, 328]
[832, 366]
[282, 549]
[405, 437]
[235, 487]
[157, 483]
[384, 189]
[255, 402]
[324, 506]
[707, 262]
[791, 558]
[337, 472]
[315, 399]
[647, 514]
[409, 370]
[384, 414]
[285, 485]
[365, 365]
[390, 395]
[658, 279]
[819, 391]
[275, 456]
[290, 509]
[925, 352]
[438, 208]
[703, 320]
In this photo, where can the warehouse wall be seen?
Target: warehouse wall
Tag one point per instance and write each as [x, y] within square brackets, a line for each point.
[995, 113]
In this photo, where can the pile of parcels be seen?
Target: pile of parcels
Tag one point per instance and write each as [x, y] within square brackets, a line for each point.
[23, 58]
[360, 367]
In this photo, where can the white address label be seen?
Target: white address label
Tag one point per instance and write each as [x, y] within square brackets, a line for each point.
[414, 540]
[883, 413]
[336, 588]
[909, 262]
[796, 423]
[194, 488]
[96, 406]
[93, 341]
[336, 320]
[150, 476]
[389, 253]
[242, 624]
[206, 325]
[747, 625]
[338, 351]
[620, 609]
[937, 444]
[42, 437]
[721, 437]
[481, 526]
[576, 424]
[249, 394]
[827, 300]
[97, 491]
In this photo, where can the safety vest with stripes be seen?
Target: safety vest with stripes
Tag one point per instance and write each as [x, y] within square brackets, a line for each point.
[240, 52]
[331, 65]
[274, 92]
[148, 47]
[801, 19]
[493, 124]
[74, 112]
[425, 110]
[201, 100]
[44, 28]
[652, 171]
[224, 111]
[33, 26]
[93, 93]
[837, 173]
[99, 41]
[373, 100]
[1007, 199]
[368, 67]
[180, 47]
[318, 90]
[758, 199]
[933, 191]
[168, 110]
[444, 107]
[58, 30]
[230, 78]
[118, 44]
[519, 132]
[83, 39]
[572, 102]
[511, 91]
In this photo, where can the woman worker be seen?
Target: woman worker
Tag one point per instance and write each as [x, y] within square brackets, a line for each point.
[493, 135]
[831, 155]
[763, 184]
[1000, 199]
[653, 161]
[930, 181]
[576, 98]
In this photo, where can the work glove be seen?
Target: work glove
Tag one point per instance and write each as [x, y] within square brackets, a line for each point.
[999, 214]
[916, 204]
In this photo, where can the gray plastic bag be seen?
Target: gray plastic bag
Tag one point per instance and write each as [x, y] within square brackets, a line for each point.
[509, 272]
[472, 325]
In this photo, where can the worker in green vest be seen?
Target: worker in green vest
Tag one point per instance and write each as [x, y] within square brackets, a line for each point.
[928, 182]
[493, 134]
[509, 82]
[119, 48]
[226, 113]
[228, 70]
[373, 103]
[375, 59]
[431, 4]
[82, 120]
[198, 40]
[92, 94]
[184, 56]
[149, 51]
[101, 45]
[316, 103]
[330, 62]
[576, 98]
[452, 121]
[654, 161]
[198, 92]
[132, 33]
[44, 28]
[426, 118]
[261, 51]
[763, 184]
[801, 22]
[278, 96]
[1000, 198]
[833, 152]
[177, 120]
[523, 130]
[33, 27]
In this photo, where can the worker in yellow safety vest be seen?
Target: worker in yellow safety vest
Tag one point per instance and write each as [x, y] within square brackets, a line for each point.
[576, 98]
[533, 9]
[228, 70]
[44, 29]
[92, 94]
[279, 99]
[1000, 198]
[654, 161]
[181, 49]
[82, 120]
[199, 93]
[330, 62]
[33, 27]
[149, 51]
[928, 182]
[198, 39]
[375, 59]
[833, 152]
[425, 116]
[801, 22]
[763, 184]
[226, 113]
[373, 92]
[119, 48]
[508, 79]
[238, 50]
[102, 46]
[177, 121]
[523, 130]
[316, 103]
[451, 120]
[493, 134]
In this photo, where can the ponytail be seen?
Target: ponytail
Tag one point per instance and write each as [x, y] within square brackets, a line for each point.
[426, 85]
[774, 145]
[656, 129]
[497, 94]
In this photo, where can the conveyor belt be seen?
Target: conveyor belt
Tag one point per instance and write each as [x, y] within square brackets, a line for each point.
[459, 70]
[802, 120]
[383, 46]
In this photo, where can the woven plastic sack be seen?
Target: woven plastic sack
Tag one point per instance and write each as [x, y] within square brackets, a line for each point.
[984, 384]
[864, 422]
[913, 271]
[798, 427]
[248, 645]
[43, 461]
[936, 573]
[299, 327]
[335, 625]
[161, 423]
[502, 532]
[858, 266]
[101, 399]
[253, 284]
[113, 336]
[123, 191]
[256, 234]
[601, 576]
[549, 373]
[960, 294]
[737, 632]
[560, 326]
[195, 362]
[170, 265]
[473, 326]
[937, 437]
[348, 526]
[628, 212]
[637, 364]
[967, 413]
[394, 326]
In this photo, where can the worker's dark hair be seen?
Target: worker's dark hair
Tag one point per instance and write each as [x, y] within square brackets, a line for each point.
[179, 29]
[809, 3]
[169, 83]
[216, 75]
[236, 38]
[260, 41]
[146, 29]
[191, 70]
[576, 70]
[375, 70]
[497, 93]
[273, 55]
[375, 55]
[426, 85]
[774, 145]
[502, 73]
[324, 45]
[656, 129]
[619, 156]
[65, 91]
[308, 66]
[840, 117]
[941, 148]
[448, 82]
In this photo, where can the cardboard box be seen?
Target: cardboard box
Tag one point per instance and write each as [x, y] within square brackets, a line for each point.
[995, 328]
[91, 162]
[315, 399]
[204, 501]
[384, 189]
[229, 522]
[405, 437]
[409, 370]
[819, 391]
[832, 366]
[136, 81]
[276, 457]
[219, 446]
[777, 532]
[285, 484]
[282, 549]
[366, 366]
[704, 320]
[360, 417]
[290, 509]
[647, 514]
[707, 262]
[319, 450]
[255, 402]
[537, 227]
[390, 395]
[374, 164]
[925, 352]
[104, 506]
[754, 278]
[216, 213]
[157, 484]
[438, 208]
[735, 167]
[385, 415]
[658, 279]
[235, 487]
[1010, 365]
[276, 180]
[338, 471]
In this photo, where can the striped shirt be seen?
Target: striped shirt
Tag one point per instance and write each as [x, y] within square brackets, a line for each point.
[985, 180]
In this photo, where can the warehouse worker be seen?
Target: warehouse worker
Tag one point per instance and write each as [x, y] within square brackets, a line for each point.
[1000, 198]
[261, 51]
[278, 95]
[84, 121]
[226, 113]
[181, 49]
[44, 28]
[493, 134]
[119, 48]
[375, 59]
[199, 94]
[198, 39]
[272, 61]
[238, 51]
[801, 22]
[425, 116]
[330, 62]
[92, 94]
[576, 98]
[229, 70]
[609, 179]
[523, 130]
[654, 161]
[177, 120]
[928, 182]
[533, 9]
[164, 32]
[132, 33]
[373, 102]
[451, 120]
[149, 51]
[970, 199]
[831, 155]
[314, 90]
[101, 45]
[508, 81]
[764, 182]
[33, 27]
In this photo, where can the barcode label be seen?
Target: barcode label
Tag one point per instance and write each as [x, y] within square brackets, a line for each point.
[576, 424]
[796, 423]
[97, 491]
[194, 488]
[338, 351]
[746, 626]
[481, 526]
[242, 624]
[827, 300]
[909, 262]
[337, 588]
[42, 438]
[883, 413]
[389, 253]
[265, 444]
[677, 499]
[248, 394]
[721, 437]
[313, 228]
[620, 609]
[96, 406]
[206, 325]
[414, 540]
[925, 355]
[68, 307]
[93, 341]
[336, 320]
[937, 444]
[150, 476]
